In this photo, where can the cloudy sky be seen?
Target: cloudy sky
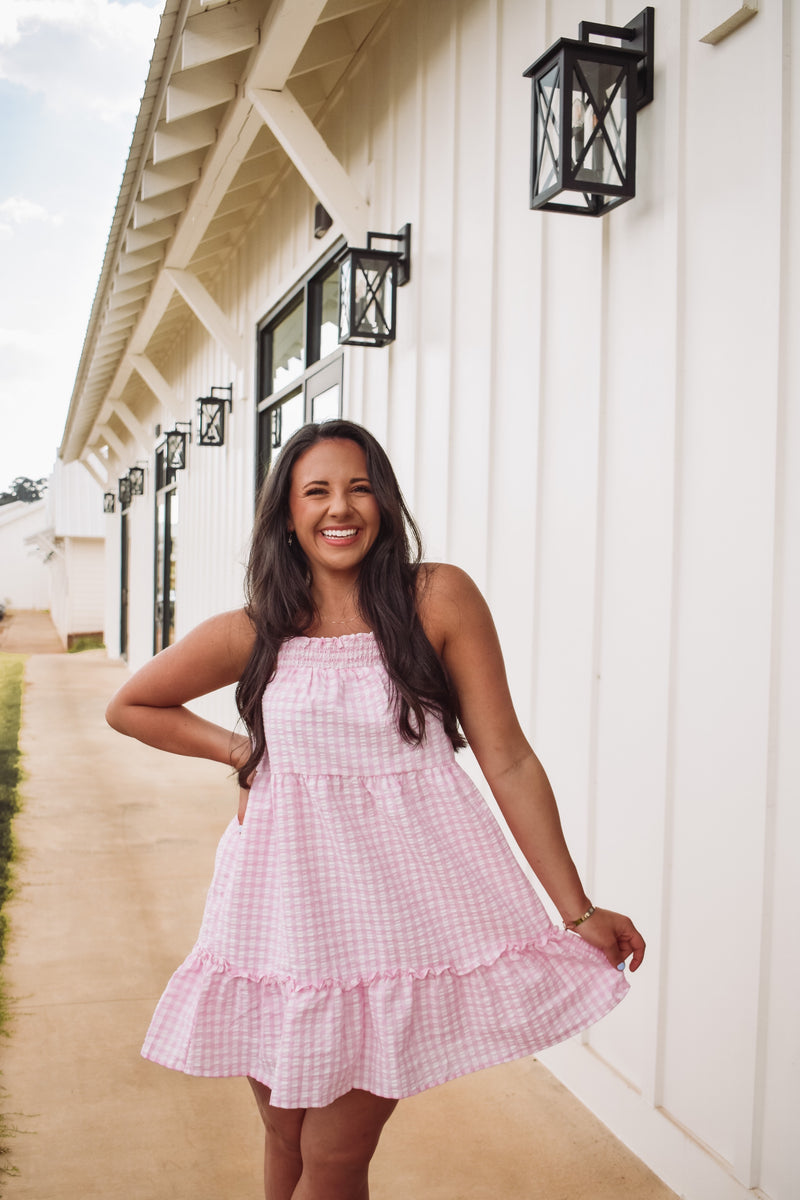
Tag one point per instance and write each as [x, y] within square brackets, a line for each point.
[71, 76]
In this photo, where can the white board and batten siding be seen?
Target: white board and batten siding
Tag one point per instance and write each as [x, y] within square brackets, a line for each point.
[598, 420]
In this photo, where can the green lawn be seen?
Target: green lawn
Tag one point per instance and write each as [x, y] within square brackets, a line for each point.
[11, 668]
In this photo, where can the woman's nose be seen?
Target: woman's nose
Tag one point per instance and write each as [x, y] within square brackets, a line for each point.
[339, 503]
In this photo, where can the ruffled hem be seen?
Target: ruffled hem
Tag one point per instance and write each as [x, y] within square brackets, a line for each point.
[395, 1033]
[217, 965]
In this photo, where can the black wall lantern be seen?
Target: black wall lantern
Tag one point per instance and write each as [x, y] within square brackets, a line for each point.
[211, 412]
[124, 491]
[368, 283]
[109, 502]
[136, 477]
[175, 445]
[584, 105]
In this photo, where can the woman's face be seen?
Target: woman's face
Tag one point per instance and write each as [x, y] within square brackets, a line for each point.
[332, 510]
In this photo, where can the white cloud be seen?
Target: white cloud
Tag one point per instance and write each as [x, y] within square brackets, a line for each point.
[19, 211]
[81, 54]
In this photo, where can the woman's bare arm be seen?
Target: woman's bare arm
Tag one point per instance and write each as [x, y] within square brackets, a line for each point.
[459, 624]
[150, 705]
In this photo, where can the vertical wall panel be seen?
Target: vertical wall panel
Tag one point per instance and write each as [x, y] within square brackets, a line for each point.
[517, 353]
[433, 267]
[725, 604]
[471, 382]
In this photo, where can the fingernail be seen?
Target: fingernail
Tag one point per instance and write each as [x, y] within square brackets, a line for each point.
[621, 966]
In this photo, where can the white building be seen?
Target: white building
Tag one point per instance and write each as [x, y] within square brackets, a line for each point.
[596, 418]
[23, 577]
[70, 540]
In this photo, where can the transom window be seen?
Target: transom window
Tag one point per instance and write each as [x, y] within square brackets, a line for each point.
[299, 363]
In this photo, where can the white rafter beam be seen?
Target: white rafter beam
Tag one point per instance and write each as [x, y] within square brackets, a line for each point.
[309, 152]
[96, 476]
[132, 424]
[112, 441]
[219, 32]
[163, 391]
[287, 28]
[209, 313]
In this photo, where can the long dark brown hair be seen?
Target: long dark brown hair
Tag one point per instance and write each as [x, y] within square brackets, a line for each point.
[280, 605]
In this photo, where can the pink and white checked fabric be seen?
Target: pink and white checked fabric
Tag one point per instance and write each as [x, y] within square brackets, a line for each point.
[367, 926]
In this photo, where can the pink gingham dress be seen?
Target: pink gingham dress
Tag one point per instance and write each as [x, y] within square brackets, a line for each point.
[367, 926]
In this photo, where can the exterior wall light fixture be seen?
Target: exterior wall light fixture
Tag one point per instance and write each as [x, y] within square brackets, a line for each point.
[211, 415]
[322, 220]
[124, 491]
[109, 502]
[136, 477]
[175, 445]
[584, 105]
[368, 283]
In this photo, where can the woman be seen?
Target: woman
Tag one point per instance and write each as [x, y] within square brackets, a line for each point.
[368, 932]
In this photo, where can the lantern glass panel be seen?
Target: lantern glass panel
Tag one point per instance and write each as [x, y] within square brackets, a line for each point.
[124, 491]
[329, 323]
[108, 502]
[176, 450]
[599, 123]
[547, 93]
[212, 423]
[345, 299]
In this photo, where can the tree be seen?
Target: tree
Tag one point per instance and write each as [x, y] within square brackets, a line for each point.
[24, 489]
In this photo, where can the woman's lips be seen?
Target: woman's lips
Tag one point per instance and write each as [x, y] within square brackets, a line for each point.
[340, 537]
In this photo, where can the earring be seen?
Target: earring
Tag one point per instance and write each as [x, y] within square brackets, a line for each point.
[291, 536]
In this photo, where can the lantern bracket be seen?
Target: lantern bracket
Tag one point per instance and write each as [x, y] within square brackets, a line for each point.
[638, 34]
[403, 253]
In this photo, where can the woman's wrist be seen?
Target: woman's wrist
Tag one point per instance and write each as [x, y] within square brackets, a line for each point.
[574, 922]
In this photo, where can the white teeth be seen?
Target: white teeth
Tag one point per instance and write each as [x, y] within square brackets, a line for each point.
[335, 534]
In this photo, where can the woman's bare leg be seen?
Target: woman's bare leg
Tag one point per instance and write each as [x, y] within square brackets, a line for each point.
[283, 1163]
[337, 1143]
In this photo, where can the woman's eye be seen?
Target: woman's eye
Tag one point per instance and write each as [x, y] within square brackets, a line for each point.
[365, 488]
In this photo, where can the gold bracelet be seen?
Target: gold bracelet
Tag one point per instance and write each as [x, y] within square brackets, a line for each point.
[574, 924]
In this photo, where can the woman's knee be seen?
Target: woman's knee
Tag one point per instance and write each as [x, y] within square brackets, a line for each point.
[283, 1126]
[344, 1136]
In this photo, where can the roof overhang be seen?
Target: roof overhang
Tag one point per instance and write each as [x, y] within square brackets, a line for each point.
[234, 95]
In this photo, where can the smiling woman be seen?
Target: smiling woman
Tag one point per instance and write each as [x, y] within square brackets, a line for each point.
[368, 932]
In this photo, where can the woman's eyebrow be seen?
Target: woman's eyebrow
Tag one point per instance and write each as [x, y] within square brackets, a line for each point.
[325, 482]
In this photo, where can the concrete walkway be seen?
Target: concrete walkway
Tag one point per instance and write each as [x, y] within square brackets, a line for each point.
[116, 849]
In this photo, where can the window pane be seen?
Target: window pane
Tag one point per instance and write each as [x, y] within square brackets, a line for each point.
[325, 406]
[329, 327]
[285, 419]
[288, 349]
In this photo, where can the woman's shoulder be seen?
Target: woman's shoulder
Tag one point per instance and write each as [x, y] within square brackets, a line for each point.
[227, 634]
[446, 597]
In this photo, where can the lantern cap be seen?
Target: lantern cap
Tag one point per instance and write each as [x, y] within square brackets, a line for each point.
[639, 45]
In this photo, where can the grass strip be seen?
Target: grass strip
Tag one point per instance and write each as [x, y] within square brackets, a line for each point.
[11, 670]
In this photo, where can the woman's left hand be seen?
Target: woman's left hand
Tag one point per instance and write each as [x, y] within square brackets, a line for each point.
[614, 934]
